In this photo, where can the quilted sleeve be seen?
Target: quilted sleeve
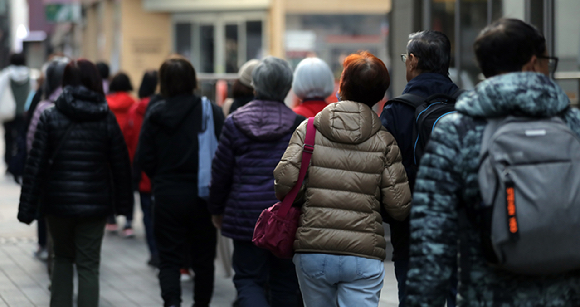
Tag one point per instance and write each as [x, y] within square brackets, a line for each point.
[34, 172]
[434, 219]
[287, 170]
[395, 193]
[222, 169]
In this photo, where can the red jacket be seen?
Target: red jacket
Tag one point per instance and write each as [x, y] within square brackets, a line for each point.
[309, 108]
[120, 103]
[131, 132]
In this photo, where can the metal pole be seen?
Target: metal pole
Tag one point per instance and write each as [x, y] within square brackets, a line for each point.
[528, 11]
[457, 31]
[489, 11]
[426, 14]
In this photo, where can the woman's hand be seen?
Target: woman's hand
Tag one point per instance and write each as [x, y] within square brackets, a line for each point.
[217, 221]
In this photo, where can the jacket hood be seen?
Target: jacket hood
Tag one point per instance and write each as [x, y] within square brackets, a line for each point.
[19, 74]
[120, 102]
[172, 111]
[347, 122]
[82, 104]
[141, 107]
[264, 120]
[522, 93]
[427, 84]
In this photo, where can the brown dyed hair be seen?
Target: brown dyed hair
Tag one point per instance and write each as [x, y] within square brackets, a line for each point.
[365, 78]
[82, 72]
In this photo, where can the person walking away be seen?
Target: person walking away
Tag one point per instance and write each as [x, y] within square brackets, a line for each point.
[252, 142]
[512, 55]
[340, 243]
[182, 222]
[77, 173]
[132, 130]
[104, 72]
[120, 101]
[15, 84]
[53, 88]
[242, 90]
[427, 71]
[313, 83]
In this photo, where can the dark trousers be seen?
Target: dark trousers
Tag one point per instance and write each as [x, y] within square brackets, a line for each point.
[401, 268]
[147, 208]
[184, 228]
[76, 241]
[11, 131]
[262, 279]
[42, 233]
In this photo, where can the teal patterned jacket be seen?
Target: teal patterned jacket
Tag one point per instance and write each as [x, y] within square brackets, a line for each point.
[447, 182]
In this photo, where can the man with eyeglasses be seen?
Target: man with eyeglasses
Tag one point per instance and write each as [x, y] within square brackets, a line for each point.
[445, 220]
[427, 70]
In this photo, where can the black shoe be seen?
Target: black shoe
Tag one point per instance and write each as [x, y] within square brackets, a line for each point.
[154, 261]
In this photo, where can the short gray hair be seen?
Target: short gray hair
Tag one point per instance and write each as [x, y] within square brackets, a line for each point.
[313, 79]
[272, 79]
[433, 50]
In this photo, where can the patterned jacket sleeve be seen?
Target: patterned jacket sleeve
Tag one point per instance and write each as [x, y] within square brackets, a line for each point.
[287, 170]
[222, 169]
[395, 192]
[120, 168]
[434, 219]
[34, 172]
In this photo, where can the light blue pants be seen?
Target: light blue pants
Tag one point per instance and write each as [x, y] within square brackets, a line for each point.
[339, 280]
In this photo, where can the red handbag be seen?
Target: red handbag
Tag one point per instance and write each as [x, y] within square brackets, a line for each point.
[277, 225]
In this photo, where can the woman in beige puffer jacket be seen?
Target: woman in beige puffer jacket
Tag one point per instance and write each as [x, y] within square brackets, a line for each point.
[355, 168]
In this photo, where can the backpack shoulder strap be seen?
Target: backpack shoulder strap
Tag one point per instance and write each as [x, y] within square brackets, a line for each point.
[412, 100]
[458, 93]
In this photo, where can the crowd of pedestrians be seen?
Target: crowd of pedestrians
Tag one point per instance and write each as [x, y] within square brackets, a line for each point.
[89, 145]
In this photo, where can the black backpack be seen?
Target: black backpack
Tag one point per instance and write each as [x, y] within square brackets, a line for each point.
[427, 113]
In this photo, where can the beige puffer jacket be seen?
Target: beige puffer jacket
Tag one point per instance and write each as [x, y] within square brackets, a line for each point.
[356, 167]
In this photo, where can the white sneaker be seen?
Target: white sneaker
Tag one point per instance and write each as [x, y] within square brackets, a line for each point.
[185, 275]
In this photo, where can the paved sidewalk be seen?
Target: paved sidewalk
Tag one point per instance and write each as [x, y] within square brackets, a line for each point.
[125, 278]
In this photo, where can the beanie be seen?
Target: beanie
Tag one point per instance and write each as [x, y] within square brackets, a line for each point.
[245, 73]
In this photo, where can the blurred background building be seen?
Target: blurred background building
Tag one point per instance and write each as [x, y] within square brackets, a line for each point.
[218, 36]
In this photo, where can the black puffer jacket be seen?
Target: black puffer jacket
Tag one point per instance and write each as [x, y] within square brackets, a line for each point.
[91, 173]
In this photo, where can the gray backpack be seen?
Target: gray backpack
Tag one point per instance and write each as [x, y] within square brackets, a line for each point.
[529, 177]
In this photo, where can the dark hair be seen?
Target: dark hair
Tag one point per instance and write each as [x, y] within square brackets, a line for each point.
[240, 90]
[507, 45]
[53, 77]
[148, 84]
[17, 59]
[177, 77]
[82, 72]
[103, 70]
[365, 78]
[432, 49]
[120, 83]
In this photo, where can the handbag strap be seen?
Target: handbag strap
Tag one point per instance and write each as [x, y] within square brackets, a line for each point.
[58, 147]
[307, 151]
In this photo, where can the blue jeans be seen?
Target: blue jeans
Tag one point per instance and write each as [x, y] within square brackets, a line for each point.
[401, 268]
[262, 279]
[339, 280]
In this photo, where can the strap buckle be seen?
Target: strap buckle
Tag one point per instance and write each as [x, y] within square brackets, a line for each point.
[308, 148]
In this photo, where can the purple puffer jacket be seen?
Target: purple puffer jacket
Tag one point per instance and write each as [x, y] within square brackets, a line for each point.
[252, 143]
[43, 105]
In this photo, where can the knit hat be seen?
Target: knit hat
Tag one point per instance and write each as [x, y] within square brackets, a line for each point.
[245, 73]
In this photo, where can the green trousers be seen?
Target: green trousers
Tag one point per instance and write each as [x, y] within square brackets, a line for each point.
[76, 241]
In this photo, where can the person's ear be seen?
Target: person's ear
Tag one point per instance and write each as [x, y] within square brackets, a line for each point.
[413, 61]
[530, 66]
